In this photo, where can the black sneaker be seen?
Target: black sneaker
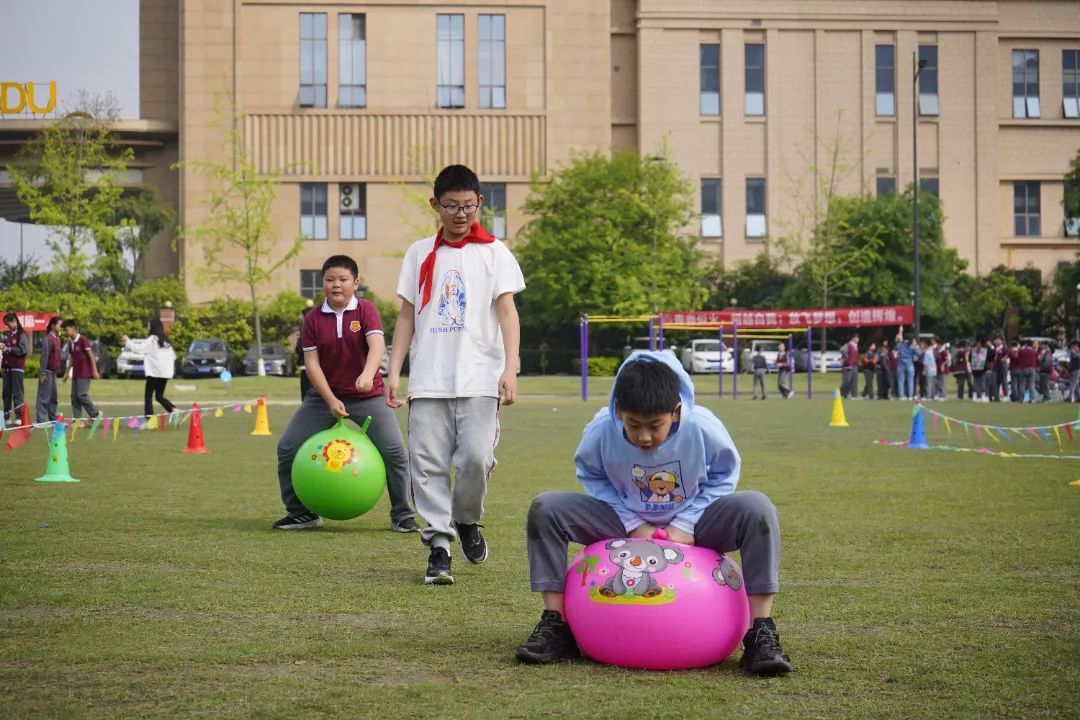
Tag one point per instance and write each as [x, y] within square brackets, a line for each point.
[762, 654]
[550, 642]
[408, 525]
[438, 568]
[473, 545]
[303, 521]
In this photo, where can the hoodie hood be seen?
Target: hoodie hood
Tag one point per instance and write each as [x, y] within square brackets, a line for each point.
[686, 385]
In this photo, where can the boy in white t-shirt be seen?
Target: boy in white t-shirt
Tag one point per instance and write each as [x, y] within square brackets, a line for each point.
[459, 322]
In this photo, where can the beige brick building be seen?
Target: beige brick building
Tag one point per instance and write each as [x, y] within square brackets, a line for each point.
[358, 104]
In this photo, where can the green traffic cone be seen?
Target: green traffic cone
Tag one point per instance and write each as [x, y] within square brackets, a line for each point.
[56, 468]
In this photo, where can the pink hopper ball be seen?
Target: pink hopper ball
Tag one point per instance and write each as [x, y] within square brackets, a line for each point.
[655, 604]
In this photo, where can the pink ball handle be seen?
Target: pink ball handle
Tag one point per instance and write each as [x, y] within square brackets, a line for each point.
[659, 534]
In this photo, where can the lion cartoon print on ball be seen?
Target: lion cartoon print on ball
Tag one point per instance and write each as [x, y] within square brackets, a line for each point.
[655, 604]
[338, 473]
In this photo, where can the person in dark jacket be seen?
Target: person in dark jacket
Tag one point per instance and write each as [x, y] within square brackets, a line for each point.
[13, 351]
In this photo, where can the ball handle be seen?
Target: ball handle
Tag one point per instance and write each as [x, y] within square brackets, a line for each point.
[659, 534]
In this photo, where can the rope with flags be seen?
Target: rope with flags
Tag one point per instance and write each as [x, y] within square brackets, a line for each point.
[1000, 433]
[110, 426]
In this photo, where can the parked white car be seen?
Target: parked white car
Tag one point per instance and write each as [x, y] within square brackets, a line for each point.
[130, 364]
[704, 356]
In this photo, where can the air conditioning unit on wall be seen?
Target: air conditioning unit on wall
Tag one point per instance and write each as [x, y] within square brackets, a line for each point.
[349, 197]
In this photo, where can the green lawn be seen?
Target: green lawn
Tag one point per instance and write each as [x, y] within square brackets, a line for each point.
[915, 583]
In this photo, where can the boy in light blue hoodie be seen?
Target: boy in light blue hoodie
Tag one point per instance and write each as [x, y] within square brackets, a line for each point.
[652, 459]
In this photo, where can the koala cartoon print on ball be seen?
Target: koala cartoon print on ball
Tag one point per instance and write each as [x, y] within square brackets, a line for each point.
[655, 604]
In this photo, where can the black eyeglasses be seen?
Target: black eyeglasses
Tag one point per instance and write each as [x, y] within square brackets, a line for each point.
[454, 208]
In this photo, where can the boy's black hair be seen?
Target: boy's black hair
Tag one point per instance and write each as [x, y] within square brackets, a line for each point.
[341, 261]
[647, 388]
[456, 177]
[69, 323]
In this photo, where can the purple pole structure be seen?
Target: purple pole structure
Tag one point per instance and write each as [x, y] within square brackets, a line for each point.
[810, 362]
[583, 342]
[791, 362]
[660, 334]
[720, 365]
[652, 335]
[735, 357]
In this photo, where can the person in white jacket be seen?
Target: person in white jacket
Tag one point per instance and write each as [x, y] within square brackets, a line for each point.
[159, 365]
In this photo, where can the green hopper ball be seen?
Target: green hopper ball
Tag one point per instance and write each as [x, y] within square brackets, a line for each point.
[338, 473]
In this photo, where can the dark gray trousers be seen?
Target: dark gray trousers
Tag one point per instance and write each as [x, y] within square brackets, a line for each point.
[80, 398]
[46, 406]
[13, 391]
[744, 521]
[313, 416]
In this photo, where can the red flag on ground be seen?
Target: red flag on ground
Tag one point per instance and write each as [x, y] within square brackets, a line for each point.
[22, 434]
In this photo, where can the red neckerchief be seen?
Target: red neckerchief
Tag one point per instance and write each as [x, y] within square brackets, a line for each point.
[476, 234]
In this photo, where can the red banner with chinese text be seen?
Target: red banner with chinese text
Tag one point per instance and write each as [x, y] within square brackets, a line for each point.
[835, 317]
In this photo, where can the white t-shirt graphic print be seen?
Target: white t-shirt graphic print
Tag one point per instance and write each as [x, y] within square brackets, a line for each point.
[457, 348]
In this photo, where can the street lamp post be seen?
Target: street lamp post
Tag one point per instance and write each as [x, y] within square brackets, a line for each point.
[918, 66]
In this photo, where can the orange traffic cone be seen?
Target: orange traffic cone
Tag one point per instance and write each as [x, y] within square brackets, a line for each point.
[262, 421]
[195, 442]
[22, 434]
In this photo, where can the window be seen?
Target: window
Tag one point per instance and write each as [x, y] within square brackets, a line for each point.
[709, 69]
[1025, 83]
[885, 82]
[930, 186]
[352, 61]
[755, 78]
[352, 211]
[312, 59]
[450, 37]
[310, 283]
[928, 81]
[1070, 83]
[492, 53]
[1072, 222]
[1026, 209]
[886, 186]
[711, 225]
[313, 211]
[493, 212]
[755, 208]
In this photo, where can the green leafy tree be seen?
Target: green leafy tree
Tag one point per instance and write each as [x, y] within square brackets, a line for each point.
[18, 271]
[68, 178]
[757, 283]
[607, 237]
[1071, 199]
[998, 298]
[141, 217]
[237, 238]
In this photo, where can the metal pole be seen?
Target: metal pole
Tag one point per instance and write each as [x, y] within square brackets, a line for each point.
[810, 361]
[583, 344]
[652, 334]
[735, 357]
[660, 332]
[720, 365]
[791, 363]
[915, 186]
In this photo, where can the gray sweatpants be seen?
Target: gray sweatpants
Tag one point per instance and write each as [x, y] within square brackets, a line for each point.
[445, 434]
[80, 397]
[313, 416]
[46, 406]
[745, 521]
[759, 382]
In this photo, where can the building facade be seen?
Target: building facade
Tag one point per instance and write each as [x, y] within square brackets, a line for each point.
[357, 105]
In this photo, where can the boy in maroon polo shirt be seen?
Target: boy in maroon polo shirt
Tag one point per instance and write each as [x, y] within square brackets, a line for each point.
[82, 368]
[343, 344]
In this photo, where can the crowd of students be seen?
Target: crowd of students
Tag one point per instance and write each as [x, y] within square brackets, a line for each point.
[988, 371]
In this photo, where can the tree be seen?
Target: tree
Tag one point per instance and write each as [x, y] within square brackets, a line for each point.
[141, 217]
[67, 177]
[607, 237]
[1070, 201]
[759, 283]
[18, 271]
[996, 298]
[830, 259]
[238, 223]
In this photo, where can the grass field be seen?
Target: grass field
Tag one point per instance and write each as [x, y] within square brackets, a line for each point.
[916, 584]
